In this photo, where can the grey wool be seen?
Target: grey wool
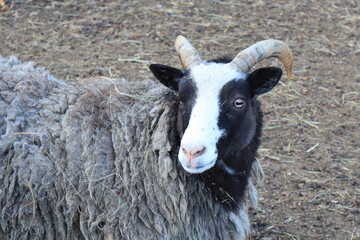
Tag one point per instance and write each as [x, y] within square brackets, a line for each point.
[98, 160]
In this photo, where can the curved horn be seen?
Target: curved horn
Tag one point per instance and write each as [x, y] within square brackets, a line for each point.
[254, 54]
[187, 53]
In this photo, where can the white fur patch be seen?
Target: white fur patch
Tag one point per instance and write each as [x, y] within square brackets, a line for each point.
[203, 130]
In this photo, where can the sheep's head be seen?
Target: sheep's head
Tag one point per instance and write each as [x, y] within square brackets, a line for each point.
[217, 99]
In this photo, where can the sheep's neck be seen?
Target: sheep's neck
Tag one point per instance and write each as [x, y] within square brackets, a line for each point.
[225, 186]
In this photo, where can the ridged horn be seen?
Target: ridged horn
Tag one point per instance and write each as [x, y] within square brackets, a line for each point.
[188, 55]
[254, 54]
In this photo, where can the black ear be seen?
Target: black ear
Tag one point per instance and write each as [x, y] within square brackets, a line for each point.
[263, 80]
[168, 76]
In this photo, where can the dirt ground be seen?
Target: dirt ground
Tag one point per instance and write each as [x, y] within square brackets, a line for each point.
[311, 139]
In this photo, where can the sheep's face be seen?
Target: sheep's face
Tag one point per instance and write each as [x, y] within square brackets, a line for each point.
[216, 105]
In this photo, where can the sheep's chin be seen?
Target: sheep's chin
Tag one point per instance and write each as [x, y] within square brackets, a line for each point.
[199, 169]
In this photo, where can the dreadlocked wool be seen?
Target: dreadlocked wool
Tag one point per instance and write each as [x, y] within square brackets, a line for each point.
[98, 160]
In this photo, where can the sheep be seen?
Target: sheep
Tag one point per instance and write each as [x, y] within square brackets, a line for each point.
[99, 159]
[94, 160]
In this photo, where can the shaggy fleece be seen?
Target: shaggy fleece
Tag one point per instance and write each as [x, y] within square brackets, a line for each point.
[97, 160]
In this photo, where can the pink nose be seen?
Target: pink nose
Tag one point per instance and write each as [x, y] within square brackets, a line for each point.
[191, 153]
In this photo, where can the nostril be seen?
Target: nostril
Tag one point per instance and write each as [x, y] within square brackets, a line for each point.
[184, 150]
[199, 152]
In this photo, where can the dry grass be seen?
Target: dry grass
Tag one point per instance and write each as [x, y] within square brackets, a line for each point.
[310, 151]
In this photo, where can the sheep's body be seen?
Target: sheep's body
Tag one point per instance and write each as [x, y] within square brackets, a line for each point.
[98, 159]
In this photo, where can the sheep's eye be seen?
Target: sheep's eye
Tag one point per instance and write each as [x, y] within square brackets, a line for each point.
[239, 103]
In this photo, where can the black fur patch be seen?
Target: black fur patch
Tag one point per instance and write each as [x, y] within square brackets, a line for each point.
[225, 59]
[187, 95]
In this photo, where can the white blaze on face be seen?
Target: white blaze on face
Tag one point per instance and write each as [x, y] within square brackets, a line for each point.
[198, 150]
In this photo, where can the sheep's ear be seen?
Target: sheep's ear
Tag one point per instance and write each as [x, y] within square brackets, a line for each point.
[263, 80]
[168, 76]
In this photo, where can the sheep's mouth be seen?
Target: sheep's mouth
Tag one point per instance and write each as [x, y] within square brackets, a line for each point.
[198, 168]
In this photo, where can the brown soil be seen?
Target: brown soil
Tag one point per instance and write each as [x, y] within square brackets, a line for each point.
[311, 139]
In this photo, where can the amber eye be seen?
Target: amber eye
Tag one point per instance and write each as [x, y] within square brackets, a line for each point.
[239, 103]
